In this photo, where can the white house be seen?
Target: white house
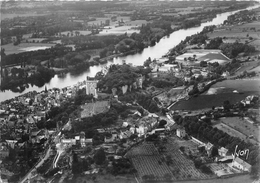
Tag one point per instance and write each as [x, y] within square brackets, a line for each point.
[69, 141]
[89, 141]
[241, 164]
[180, 132]
[222, 151]
[209, 148]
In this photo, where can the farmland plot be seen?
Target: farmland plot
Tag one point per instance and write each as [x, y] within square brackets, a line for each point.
[147, 161]
[142, 150]
[148, 165]
[182, 167]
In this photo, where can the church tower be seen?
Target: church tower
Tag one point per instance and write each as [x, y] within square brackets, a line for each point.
[91, 86]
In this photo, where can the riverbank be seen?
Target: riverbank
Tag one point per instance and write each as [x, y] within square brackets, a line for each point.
[157, 51]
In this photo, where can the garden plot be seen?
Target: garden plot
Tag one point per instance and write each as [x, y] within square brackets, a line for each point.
[148, 165]
[182, 167]
[142, 150]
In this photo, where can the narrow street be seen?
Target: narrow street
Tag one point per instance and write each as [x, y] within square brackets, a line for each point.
[31, 172]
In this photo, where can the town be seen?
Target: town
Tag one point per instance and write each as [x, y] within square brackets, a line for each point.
[182, 117]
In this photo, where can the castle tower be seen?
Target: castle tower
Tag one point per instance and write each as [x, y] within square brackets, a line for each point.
[91, 85]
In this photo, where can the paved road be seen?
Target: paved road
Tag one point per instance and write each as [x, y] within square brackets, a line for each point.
[46, 156]
[31, 172]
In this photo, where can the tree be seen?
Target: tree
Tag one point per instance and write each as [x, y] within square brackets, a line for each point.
[100, 157]
[197, 163]
[182, 149]
[12, 154]
[147, 62]
[162, 123]
[205, 169]
[203, 64]
[77, 168]
[214, 151]
[214, 43]
[226, 105]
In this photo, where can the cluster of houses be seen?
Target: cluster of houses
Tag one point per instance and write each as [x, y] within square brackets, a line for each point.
[250, 100]
[233, 160]
[19, 117]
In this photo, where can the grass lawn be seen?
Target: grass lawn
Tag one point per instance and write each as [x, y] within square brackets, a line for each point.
[10, 48]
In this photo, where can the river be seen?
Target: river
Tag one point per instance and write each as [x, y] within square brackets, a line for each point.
[156, 51]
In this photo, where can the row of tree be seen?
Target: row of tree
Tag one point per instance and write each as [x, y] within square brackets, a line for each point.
[202, 129]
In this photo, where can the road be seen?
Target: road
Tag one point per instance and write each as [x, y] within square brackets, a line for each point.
[60, 150]
[46, 156]
[31, 172]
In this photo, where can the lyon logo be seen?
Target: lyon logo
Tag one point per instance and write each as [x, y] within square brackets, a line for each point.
[241, 153]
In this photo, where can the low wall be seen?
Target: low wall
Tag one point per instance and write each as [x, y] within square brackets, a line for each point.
[193, 138]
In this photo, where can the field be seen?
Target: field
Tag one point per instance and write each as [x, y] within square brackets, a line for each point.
[148, 161]
[7, 15]
[36, 40]
[102, 179]
[248, 66]
[113, 27]
[136, 23]
[234, 132]
[256, 69]
[224, 91]
[10, 48]
[148, 165]
[234, 34]
[256, 44]
[242, 126]
[229, 130]
[206, 101]
[185, 166]
[188, 10]
[145, 159]
[118, 30]
[103, 20]
[143, 150]
[80, 32]
[240, 33]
